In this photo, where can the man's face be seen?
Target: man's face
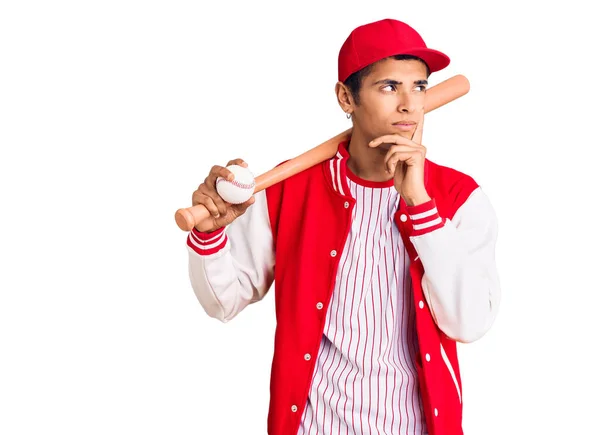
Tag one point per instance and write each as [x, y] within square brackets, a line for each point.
[394, 91]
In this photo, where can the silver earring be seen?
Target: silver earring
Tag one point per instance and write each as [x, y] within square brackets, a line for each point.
[348, 115]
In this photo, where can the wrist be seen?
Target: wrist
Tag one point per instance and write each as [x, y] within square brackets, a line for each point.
[416, 200]
[207, 233]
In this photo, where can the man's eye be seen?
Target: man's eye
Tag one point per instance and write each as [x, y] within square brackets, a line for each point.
[422, 86]
[388, 86]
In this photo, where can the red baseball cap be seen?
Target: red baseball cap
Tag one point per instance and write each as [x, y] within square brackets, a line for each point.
[375, 41]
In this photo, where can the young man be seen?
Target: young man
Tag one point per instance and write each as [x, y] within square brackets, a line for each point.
[382, 260]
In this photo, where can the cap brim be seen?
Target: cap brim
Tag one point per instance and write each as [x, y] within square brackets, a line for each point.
[435, 60]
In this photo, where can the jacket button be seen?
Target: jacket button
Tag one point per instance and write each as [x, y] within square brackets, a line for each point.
[307, 357]
[435, 411]
[421, 304]
[333, 253]
[427, 357]
[346, 204]
[294, 408]
[403, 217]
[319, 306]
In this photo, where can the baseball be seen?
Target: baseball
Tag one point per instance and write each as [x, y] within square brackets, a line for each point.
[240, 189]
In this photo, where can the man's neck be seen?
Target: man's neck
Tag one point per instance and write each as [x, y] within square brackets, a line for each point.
[365, 162]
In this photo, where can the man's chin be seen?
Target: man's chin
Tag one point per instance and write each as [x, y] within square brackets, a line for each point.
[406, 134]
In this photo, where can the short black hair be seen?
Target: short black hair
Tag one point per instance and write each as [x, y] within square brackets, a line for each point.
[354, 81]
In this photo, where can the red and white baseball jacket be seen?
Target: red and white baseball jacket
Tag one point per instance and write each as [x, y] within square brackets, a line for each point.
[292, 235]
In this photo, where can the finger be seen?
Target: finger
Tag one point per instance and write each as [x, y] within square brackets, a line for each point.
[238, 162]
[394, 159]
[388, 138]
[404, 156]
[417, 136]
[213, 194]
[216, 172]
[394, 139]
[207, 202]
[397, 148]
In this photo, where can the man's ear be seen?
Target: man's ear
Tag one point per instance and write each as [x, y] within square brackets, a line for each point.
[344, 97]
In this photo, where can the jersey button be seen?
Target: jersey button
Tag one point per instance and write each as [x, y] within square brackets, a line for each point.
[307, 357]
[403, 217]
[294, 408]
[333, 253]
[319, 306]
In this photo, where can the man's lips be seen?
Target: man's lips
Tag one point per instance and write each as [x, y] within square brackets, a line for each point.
[404, 125]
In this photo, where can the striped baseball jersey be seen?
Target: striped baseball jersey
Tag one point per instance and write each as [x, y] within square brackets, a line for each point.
[365, 378]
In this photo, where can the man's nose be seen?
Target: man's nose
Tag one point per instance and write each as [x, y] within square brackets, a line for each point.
[406, 102]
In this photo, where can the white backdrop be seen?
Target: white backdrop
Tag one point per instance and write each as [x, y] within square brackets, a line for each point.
[112, 113]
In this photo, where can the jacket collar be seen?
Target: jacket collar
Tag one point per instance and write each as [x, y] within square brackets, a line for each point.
[336, 168]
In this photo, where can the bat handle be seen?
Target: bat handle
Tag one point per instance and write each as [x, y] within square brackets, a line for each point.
[196, 216]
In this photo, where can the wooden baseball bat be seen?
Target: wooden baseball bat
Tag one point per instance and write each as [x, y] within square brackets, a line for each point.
[438, 95]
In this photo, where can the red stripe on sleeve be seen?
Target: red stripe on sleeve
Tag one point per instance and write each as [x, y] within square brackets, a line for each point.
[207, 243]
[425, 217]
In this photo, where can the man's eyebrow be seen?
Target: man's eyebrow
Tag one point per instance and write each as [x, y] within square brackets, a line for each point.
[395, 82]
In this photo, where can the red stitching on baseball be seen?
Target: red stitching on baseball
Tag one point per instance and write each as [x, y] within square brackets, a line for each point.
[238, 184]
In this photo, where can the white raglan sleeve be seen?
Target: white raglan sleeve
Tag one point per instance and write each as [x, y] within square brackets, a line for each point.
[233, 267]
[460, 281]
